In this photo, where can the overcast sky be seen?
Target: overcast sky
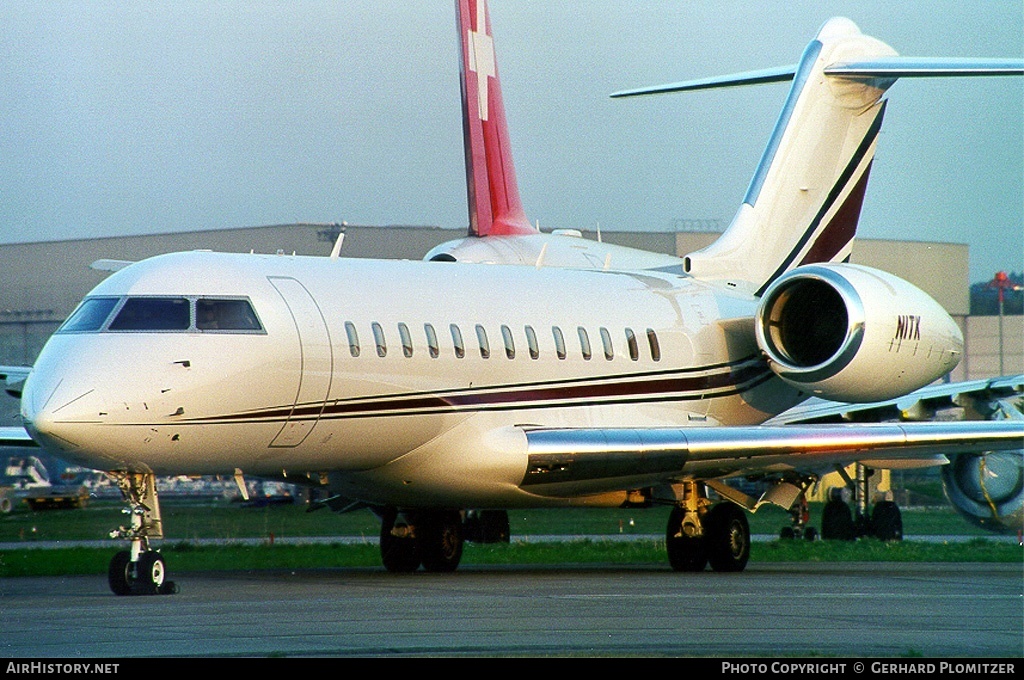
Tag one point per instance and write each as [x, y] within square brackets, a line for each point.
[149, 117]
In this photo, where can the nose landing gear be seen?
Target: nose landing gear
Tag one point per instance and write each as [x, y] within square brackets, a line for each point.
[139, 570]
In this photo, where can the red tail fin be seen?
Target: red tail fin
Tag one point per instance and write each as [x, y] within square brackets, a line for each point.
[494, 205]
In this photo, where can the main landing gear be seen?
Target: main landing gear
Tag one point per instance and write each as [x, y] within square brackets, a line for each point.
[701, 533]
[140, 570]
[433, 539]
[838, 522]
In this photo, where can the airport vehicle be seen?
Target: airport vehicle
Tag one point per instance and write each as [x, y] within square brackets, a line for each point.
[424, 390]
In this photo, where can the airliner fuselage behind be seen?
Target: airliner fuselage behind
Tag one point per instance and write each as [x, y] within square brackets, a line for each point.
[365, 369]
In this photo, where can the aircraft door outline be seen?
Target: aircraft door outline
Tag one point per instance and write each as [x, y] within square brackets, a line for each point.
[316, 362]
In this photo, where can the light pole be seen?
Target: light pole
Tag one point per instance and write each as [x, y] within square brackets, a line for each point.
[1001, 282]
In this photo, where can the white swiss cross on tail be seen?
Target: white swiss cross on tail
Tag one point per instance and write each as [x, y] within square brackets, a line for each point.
[494, 205]
[481, 58]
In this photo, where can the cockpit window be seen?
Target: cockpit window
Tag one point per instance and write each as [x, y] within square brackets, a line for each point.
[90, 315]
[182, 314]
[225, 315]
[153, 314]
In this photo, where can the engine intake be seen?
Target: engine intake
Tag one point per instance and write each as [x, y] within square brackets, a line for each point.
[988, 489]
[809, 323]
[856, 334]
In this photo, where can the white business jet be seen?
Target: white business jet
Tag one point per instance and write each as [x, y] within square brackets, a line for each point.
[424, 390]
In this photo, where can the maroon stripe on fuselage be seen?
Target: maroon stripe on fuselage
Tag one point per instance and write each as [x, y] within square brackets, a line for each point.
[617, 389]
[731, 380]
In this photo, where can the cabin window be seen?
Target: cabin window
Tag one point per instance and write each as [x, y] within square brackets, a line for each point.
[378, 339]
[510, 345]
[634, 352]
[460, 349]
[481, 336]
[214, 314]
[90, 315]
[353, 338]
[652, 339]
[406, 338]
[559, 342]
[606, 341]
[432, 346]
[153, 314]
[531, 342]
[584, 342]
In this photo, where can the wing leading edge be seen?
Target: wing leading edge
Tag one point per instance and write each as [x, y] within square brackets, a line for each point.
[16, 437]
[988, 398]
[13, 378]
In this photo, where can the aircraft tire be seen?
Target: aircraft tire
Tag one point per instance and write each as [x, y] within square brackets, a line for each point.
[149, 574]
[119, 573]
[439, 538]
[727, 534]
[837, 521]
[685, 553]
[486, 526]
[400, 555]
[887, 522]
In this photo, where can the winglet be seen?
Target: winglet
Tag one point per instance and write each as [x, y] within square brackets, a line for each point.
[494, 205]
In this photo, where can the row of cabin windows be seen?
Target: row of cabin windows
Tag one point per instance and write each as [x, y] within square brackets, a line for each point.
[459, 345]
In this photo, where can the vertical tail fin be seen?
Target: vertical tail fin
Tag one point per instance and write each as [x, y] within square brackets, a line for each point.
[804, 200]
[493, 194]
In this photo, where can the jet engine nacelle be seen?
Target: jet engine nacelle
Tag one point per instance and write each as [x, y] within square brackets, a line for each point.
[988, 489]
[852, 333]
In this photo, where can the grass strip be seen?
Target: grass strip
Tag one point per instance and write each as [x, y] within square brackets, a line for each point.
[189, 557]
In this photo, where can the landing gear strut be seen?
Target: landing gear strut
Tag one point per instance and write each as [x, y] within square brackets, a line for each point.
[701, 533]
[799, 516]
[139, 570]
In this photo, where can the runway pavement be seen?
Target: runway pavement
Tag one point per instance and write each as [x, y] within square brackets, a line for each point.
[769, 610]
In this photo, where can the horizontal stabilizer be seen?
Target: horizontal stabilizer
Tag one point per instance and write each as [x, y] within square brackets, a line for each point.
[894, 67]
[769, 75]
[926, 67]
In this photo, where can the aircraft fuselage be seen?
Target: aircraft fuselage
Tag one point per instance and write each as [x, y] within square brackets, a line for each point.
[370, 369]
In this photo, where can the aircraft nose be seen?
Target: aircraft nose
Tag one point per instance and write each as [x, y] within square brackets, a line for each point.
[40, 426]
[55, 415]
